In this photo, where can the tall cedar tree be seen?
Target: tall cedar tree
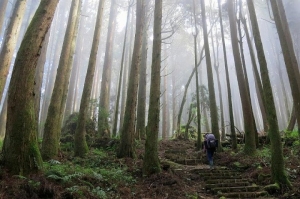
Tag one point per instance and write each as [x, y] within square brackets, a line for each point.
[128, 129]
[277, 161]
[198, 145]
[250, 145]
[288, 54]
[141, 106]
[103, 126]
[50, 144]
[232, 128]
[212, 97]
[116, 118]
[257, 79]
[10, 42]
[151, 163]
[81, 148]
[21, 155]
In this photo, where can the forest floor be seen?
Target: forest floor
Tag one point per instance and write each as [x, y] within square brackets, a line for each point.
[102, 175]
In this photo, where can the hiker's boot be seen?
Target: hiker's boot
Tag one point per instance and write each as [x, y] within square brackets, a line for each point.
[211, 165]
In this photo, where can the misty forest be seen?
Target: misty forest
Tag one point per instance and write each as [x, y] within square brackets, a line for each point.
[113, 99]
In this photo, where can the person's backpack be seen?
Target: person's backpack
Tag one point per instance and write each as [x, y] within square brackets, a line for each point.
[211, 141]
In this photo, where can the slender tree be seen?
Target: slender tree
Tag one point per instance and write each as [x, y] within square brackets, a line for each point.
[10, 42]
[197, 81]
[141, 106]
[277, 161]
[81, 148]
[103, 126]
[250, 145]
[128, 128]
[217, 67]
[151, 163]
[114, 129]
[240, 36]
[21, 155]
[50, 144]
[232, 127]
[257, 79]
[212, 97]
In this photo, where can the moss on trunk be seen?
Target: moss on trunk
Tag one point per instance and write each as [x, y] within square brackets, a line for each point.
[21, 154]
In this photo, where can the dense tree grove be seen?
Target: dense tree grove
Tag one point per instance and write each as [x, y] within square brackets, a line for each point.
[145, 74]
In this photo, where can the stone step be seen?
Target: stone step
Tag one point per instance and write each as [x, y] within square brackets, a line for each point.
[200, 171]
[244, 194]
[222, 177]
[228, 181]
[219, 174]
[236, 189]
[233, 184]
[188, 161]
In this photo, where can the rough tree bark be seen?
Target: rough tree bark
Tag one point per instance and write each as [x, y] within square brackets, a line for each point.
[128, 129]
[115, 124]
[80, 147]
[151, 163]
[50, 143]
[250, 144]
[21, 155]
[141, 107]
[103, 126]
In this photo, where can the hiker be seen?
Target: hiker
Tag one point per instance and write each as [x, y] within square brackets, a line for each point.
[210, 144]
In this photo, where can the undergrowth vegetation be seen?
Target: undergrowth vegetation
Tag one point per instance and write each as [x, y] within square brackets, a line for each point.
[97, 175]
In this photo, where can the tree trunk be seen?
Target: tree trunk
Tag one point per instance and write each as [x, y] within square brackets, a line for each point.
[174, 104]
[73, 79]
[151, 163]
[141, 107]
[10, 42]
[103, 126]
[198, 145]
[128, 128]
[292, 120]
[232, 127]
[216, 67]
[291, 51]
[80, 147]
[115, 124]
[3, 6]
[288, 54]
[250, 144]
[50, 144]
[39, 74]
[126, 73]
[277, 161]
[212, 98]
[21, 155]
[3, 117]
[245, 72]
[165, 122]
[51, 72]
[258, 84]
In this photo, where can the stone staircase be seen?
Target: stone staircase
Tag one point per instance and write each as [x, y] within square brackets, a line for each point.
[229, 184]
[221, 181]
